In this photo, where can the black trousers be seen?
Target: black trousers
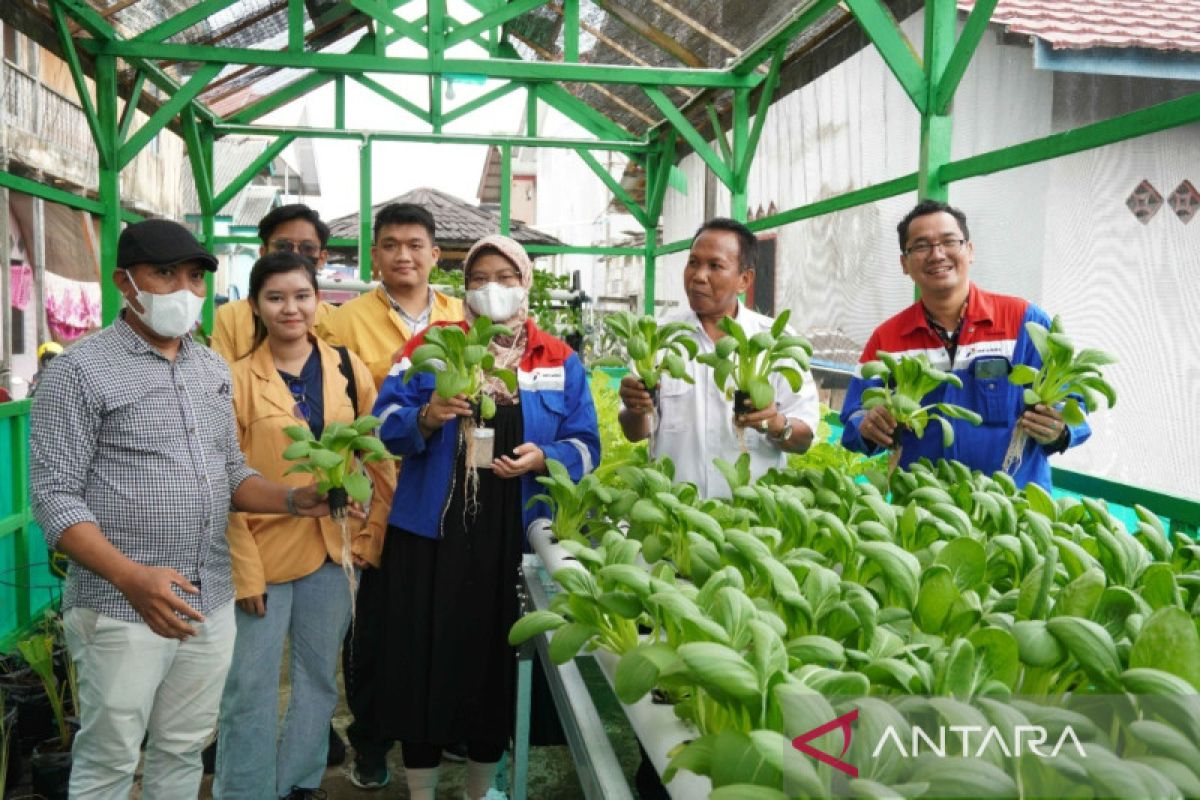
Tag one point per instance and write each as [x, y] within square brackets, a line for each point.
[359, 671]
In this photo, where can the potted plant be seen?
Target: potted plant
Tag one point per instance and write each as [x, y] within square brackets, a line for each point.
[1065, 378]
[461, 363]
[652, 349]
[748, 362]
[50, 764]
[906, 381]
[336, 460]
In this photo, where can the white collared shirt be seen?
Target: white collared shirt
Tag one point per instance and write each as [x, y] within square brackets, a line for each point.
[695, 421]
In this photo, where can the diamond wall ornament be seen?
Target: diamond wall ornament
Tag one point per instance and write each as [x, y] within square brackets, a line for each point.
[1185, 201]
[1144, 202]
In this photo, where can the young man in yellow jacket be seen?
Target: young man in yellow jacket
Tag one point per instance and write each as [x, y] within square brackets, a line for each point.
[293, 228]
[377, 325]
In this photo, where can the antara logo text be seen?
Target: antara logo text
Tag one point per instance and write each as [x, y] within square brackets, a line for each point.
[975, 739]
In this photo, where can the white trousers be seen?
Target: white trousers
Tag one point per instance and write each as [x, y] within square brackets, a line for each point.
[133, 682]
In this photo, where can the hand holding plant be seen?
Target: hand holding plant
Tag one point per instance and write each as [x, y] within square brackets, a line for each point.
[750, 361]
[1072, 380]
[461, 362]
[652, 349]
[336, 460]
[906, 382]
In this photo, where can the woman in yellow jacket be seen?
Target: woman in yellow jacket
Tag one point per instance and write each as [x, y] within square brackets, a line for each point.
[287, 571]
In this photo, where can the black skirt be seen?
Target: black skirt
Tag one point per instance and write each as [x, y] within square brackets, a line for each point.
[446, 671]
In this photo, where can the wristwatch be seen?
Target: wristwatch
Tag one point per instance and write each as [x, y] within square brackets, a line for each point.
[784, 434]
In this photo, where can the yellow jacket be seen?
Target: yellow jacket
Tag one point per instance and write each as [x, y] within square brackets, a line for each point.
[275, 548]
[233, 328]
[371, 329]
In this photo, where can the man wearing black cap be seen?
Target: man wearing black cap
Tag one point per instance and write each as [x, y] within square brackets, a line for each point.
[134, 464]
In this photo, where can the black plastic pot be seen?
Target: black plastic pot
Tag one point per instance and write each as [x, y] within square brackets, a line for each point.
[742, 404]
[338, 500]
[652, 392]
[35, 720]
[12, 773]
[50, 770]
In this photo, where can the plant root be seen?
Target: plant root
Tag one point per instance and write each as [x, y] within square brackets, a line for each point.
[1015, 453]
[894, 460]
[348, 565]
[471, 472]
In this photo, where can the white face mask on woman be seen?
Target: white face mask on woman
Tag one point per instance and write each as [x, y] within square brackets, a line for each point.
[169, 315]
[497, 303]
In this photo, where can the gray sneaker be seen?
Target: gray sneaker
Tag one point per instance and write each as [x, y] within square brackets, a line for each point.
[368, 776]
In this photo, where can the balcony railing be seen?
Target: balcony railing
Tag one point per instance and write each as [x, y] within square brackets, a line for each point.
[58, 121]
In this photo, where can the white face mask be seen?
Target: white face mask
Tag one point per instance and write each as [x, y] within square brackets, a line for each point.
[169, 315]
[497, 303]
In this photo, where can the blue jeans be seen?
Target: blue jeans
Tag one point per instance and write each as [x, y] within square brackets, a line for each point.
[315, 610]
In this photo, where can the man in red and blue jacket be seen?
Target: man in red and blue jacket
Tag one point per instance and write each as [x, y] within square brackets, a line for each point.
[977, 335]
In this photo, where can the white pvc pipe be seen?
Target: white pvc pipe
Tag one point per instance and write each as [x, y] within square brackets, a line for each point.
[659, 731]
[552, 554]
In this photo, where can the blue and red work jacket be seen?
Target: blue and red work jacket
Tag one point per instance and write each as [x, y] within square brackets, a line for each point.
[991, 340]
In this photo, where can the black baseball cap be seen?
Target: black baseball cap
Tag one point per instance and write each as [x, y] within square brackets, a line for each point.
[161, 242]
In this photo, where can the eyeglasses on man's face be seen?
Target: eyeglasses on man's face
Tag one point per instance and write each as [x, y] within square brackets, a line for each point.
[306, 249]
[296, 387]
[950, 247]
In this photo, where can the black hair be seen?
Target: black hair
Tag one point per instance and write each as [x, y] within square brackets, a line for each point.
[924, 208]
[747, 241]
[276, 263]
[278, 216]
[405, 214]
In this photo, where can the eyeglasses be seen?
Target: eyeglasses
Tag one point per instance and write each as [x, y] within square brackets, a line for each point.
[306, 249]
[476, 280]
[296, 387]
[924, 249]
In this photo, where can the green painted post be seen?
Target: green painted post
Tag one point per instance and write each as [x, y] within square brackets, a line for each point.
[435, 46]
[109, 176]
[364, 212]
[207, 222]
[571, 31]
[505, 189]
[650, 267]
[531, 118]
[295, 26]
[738, 202]
[936, 128]
[339, 103]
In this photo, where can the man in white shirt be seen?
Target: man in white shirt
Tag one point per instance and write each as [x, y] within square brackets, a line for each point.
[696, 423]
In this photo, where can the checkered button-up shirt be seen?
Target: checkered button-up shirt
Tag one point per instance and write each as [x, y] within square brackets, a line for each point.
[146, 449]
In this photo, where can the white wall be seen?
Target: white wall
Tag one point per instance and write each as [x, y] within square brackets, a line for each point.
[572, 203]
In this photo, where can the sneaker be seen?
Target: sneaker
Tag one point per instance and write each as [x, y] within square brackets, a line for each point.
[298, 793]
[368, 776]
[337, 749]
[455, 752]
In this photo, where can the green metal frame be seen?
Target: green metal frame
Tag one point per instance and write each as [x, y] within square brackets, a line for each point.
[930, 78]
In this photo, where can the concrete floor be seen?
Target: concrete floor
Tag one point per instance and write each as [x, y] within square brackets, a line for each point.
[552, 773]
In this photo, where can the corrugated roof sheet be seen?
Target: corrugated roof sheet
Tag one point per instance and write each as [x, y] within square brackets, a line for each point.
[459, 223]
[1081, 24]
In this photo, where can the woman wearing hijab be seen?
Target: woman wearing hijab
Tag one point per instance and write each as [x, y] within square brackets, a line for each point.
[449, 567]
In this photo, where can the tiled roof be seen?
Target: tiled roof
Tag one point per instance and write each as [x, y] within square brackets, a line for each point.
[1081, 24]
[459, 223]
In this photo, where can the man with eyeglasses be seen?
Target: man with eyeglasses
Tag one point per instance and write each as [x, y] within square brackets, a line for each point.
[976, 335]
[293, 228]
[376, 326]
